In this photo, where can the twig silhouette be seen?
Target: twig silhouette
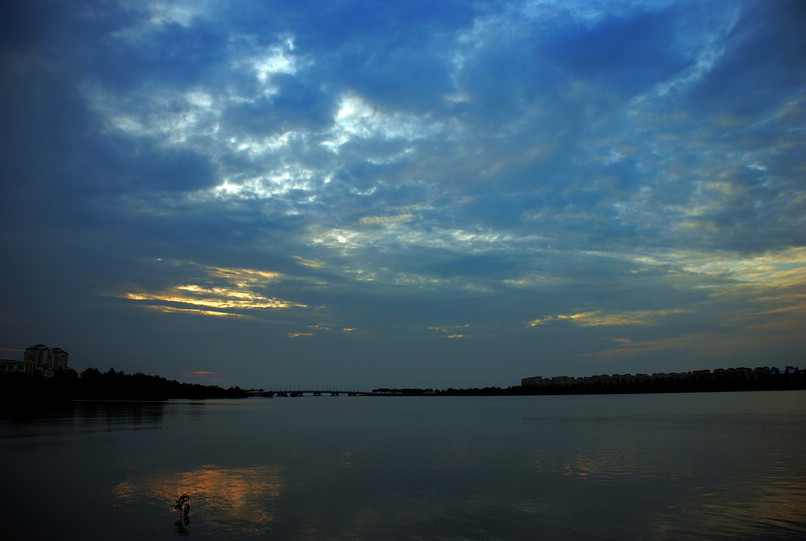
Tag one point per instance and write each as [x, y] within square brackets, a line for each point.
[182, 509]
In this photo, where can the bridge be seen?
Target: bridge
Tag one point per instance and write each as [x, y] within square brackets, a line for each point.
[310, 391]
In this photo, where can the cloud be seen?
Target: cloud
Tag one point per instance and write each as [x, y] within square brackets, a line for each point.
[554, 174]
[311, 263]
[453, 331]
[598, 318]
[167, 309]
[206, 376]
[387, 220]
[721, 345]
[229, 292]
[606, 52]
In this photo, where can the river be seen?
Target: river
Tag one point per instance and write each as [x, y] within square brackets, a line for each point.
[653, 466]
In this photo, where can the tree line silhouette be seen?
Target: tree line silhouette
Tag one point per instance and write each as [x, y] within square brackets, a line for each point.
[92, 384]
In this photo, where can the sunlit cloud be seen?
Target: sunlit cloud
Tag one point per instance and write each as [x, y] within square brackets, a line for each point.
[299, 334]
[358, 119]
[599, 318]
[245, 275]
[223, 298]
[451, 331]
[276, 59]
[387, 220]
[310, 263]
[176, 310]
[774, 269]
[276, 183]
[476, 240]
[236, 296]
[533, 281]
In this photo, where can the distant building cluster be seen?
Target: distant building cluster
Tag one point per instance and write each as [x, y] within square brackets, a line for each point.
[697, 379]
[38, 359]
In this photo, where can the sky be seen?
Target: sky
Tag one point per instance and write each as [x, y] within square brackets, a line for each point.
[392, 194]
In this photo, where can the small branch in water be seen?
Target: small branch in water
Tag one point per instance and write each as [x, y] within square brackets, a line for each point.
[182, 509]
[182, 503]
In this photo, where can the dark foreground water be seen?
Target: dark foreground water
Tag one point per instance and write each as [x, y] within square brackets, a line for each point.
[683, 466]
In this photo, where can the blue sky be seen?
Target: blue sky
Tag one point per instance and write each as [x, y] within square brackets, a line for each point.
[425, 194]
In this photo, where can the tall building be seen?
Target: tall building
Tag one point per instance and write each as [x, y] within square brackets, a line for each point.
[39, 354]
[59, 359]
[46, 359]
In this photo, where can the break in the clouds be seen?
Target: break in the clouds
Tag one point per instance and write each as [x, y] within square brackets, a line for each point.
[434, 194]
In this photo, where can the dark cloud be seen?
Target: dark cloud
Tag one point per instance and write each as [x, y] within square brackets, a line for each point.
[492, 266]
[764, 55]
[296, 104]
[336, 24]
[44, 118]
[607, 53]
[395, 78]
[169, 54]
[144, 167]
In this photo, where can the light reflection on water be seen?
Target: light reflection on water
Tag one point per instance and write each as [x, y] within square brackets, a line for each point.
[740, 508]
[231, 500]
[707, 466]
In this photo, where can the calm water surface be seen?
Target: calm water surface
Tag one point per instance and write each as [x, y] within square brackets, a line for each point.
[682, 466]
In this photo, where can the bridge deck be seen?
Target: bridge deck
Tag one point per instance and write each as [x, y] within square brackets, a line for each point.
[312, 392]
